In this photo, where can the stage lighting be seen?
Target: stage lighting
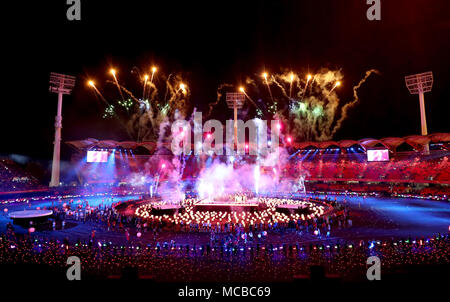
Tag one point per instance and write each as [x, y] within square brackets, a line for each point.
[279, 126]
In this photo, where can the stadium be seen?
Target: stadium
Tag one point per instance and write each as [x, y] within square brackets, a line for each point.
[324, 200]
[291, 148]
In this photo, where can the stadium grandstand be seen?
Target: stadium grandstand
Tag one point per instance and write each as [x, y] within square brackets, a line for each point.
[328, 166]
[16, 177]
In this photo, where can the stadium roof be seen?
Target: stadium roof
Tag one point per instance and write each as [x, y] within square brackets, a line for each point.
[415, 141]
[92, 143]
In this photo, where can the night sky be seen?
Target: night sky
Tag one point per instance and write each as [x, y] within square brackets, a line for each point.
[212, 42]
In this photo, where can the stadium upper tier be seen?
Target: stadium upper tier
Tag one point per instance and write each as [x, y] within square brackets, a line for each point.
[403, 167]
[14, 177]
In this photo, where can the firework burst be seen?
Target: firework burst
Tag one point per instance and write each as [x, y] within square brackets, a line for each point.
[142, 116]
[309, 105]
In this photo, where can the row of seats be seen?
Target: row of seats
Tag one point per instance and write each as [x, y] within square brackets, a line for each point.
[395, 170]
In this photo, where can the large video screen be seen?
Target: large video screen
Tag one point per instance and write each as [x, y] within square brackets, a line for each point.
[97, 156]
[378, 155]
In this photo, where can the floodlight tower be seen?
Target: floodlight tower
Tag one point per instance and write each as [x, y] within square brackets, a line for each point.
[419, 84]
[60, 84]
[235, 100]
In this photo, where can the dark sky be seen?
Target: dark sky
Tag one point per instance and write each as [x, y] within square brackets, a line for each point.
[213, 42]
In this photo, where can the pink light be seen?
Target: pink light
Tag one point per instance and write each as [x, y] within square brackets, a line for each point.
[279, 126]
[246, 146]
[163, 166]
[208, 135]
[289, 139]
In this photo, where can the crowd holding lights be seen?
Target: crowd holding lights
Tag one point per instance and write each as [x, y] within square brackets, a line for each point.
[267, 216]
[175, 262]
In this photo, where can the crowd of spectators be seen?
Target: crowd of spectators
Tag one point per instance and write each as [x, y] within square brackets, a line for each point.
[389, 189]
[403, 171]
[395, 170]
[262, 262]
[15, 178]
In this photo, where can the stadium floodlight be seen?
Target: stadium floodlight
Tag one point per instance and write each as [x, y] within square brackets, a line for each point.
[236, 101]
[419, 84]
[60, 84]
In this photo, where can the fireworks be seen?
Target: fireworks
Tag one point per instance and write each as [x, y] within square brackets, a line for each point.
[113, 72]
[127, 104]
[109, 111]
[265, 75]
[142, 117]
[97, 92]
[291, 80]
[308, 103]
[145, 84]
[308, 78]
[337, 84]
[242, 89]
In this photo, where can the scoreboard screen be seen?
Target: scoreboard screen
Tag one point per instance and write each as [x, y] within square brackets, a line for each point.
[97, 156]
[378, 155]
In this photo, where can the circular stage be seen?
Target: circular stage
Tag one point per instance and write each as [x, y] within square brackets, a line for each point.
[244, 211]
[227, 205]
[30, 214]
